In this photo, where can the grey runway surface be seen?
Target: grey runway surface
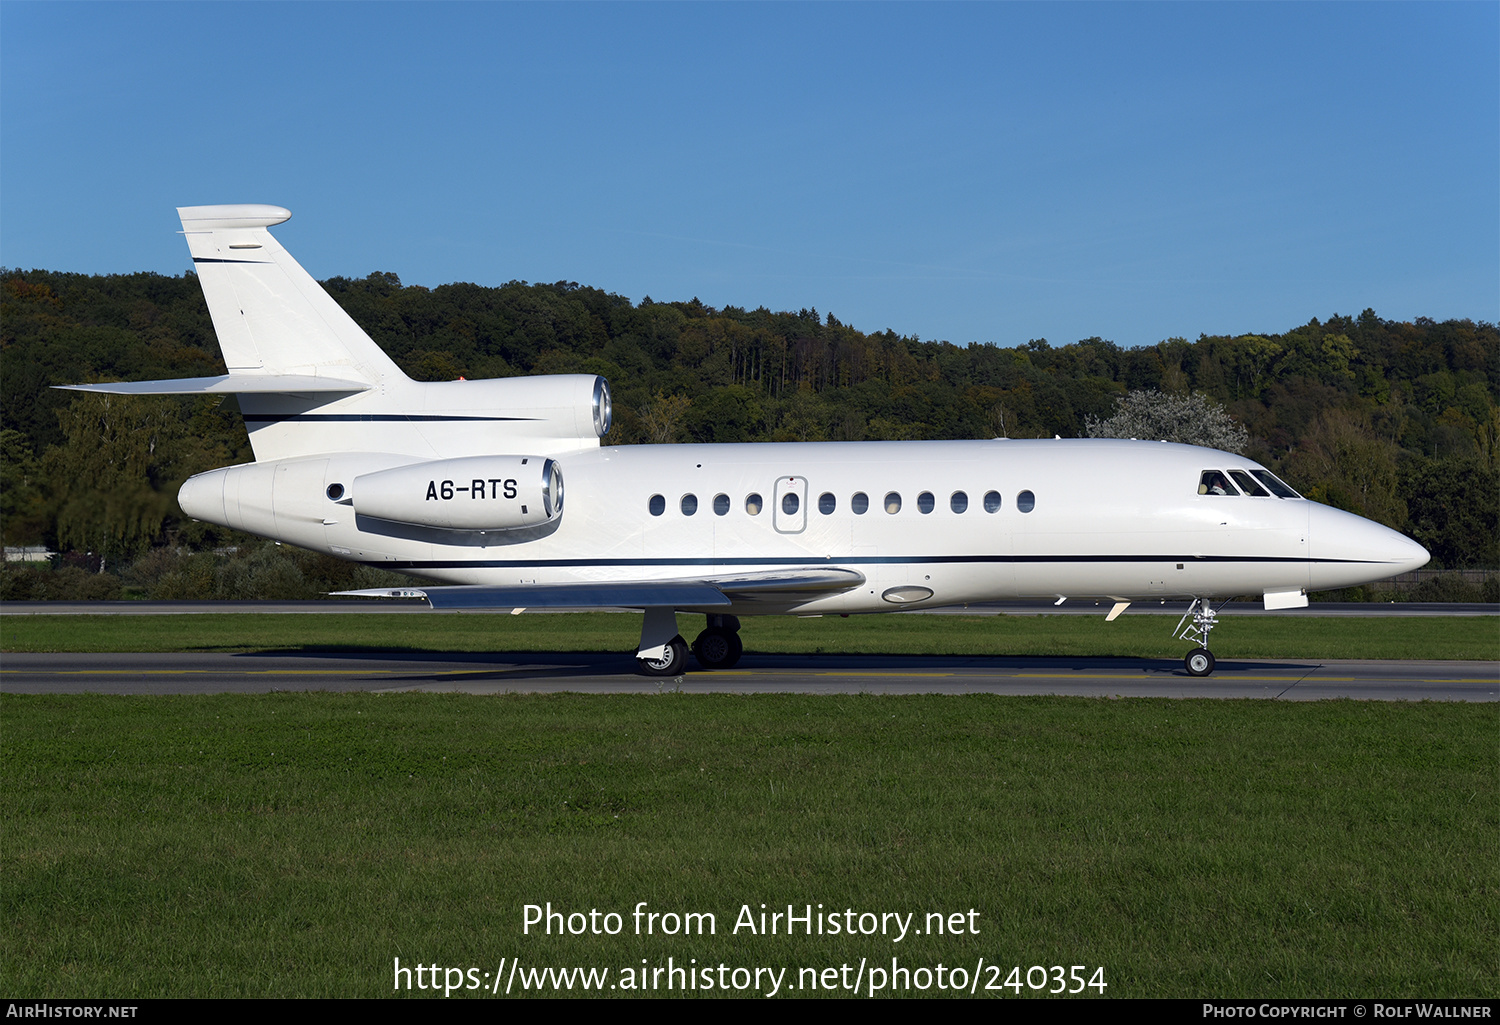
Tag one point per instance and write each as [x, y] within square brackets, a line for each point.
[1010, 608]
[255, 673]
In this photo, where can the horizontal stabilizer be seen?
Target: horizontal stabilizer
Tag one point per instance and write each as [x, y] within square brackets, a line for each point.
[779, 587]
[227, 384]
[238, 215]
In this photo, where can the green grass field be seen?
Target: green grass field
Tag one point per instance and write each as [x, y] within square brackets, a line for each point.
[1143, 636]
[295, 844]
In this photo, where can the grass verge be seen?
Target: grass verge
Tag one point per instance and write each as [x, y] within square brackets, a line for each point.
[295, 844]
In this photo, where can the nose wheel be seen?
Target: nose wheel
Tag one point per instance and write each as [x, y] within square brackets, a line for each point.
[1199, 662]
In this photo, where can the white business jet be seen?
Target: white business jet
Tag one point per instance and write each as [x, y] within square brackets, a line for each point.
[462, 482]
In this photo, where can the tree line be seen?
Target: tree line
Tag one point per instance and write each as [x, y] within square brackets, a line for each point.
[1397, 421]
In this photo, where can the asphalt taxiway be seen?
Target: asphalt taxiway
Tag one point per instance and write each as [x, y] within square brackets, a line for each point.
[593, 673]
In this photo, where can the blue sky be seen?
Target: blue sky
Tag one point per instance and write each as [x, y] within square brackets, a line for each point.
[971, 172]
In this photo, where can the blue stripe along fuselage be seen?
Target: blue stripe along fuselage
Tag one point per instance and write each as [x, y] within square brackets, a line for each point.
[858, 560]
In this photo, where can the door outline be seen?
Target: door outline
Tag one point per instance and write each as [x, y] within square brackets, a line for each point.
[784, 522]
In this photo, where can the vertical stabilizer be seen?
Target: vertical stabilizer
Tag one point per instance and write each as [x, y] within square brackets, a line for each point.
[311, 383]
[270, 315]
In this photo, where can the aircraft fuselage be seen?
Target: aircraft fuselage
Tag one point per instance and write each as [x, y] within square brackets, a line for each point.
[926, 523]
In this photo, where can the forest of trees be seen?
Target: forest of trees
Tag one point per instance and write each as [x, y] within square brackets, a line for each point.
[1396, 421]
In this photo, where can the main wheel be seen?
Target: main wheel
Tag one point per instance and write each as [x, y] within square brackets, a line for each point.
[718, 649]
[1199, 662]
[672, 662]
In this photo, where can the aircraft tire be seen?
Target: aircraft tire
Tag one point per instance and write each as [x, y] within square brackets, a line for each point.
[718, 649]
[1199, 662]
[672, 662]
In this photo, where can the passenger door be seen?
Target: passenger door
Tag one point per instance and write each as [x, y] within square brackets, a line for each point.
[789, 505]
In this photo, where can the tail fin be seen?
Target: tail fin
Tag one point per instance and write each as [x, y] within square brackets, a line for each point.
[310, 382]
[270, 315]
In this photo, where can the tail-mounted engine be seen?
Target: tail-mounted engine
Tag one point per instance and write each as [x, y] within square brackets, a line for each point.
[452, 501]
[473, 493]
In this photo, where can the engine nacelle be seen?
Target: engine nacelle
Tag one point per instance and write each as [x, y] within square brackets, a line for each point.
[472, 493]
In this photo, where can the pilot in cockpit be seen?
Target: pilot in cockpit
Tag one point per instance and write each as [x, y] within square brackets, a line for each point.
[1213, 482]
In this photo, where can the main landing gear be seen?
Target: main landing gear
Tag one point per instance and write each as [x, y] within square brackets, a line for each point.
[663, 652]
[1199, 661]
[719, 646]
[671, 662]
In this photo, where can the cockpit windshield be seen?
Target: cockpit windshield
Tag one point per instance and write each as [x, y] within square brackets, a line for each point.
[1255, 483]
[1278, 488]
[1213, 482]
[1247, 484]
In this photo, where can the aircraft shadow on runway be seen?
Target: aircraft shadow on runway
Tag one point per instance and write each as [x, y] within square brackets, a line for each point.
[562, 665]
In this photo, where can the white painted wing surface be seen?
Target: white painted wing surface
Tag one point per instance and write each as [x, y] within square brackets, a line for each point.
[226, 384]
[774, 587]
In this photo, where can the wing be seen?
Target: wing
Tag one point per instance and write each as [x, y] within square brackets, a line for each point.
[791, 587]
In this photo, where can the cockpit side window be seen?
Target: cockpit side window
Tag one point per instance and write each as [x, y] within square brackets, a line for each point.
[1275, 483]
[1247, 484]
[1213, 482]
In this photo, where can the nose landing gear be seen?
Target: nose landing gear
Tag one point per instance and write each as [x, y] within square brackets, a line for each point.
[1199, 661]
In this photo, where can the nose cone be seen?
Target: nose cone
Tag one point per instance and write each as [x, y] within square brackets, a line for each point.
[1412, 555]
[202, 497]
[1348, 550]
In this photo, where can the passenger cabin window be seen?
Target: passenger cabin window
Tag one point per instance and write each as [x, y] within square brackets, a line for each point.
[1248, 485]
[958, 502]
[689, 504]
[753, 504]
[657, 505]
[991, 501]
[789, 503]
[721, 505]
[925, 502]
[1213, 482]
[860, 503]
[1278, 487]
[827, 503]
[892, 503]
[1026, 501]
